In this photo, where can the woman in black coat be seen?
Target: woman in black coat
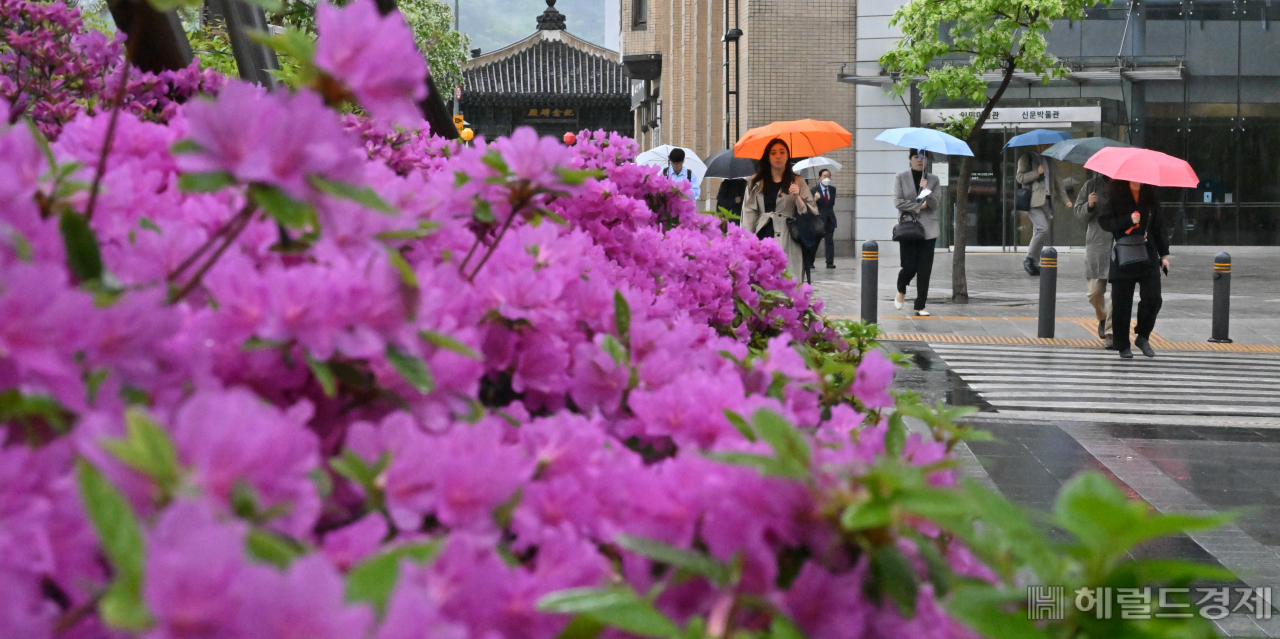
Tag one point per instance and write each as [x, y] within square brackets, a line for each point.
[1131, 211]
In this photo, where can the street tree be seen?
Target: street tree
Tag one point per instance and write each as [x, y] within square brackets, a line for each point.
[947, 48]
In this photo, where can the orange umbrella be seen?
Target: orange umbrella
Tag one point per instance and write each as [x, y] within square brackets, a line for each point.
[807, 138]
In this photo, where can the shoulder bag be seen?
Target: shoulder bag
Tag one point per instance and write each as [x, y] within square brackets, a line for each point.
[1130, 250]
[908, 229]
[1022, 200]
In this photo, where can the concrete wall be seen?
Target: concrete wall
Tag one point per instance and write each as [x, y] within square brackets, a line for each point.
[877, 110]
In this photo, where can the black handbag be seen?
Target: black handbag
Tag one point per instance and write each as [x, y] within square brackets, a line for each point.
[809, 222]
[908, 229]
[1130, 250]
[1022, 200]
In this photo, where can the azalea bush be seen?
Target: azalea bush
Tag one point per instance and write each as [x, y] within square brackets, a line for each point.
[268, 370]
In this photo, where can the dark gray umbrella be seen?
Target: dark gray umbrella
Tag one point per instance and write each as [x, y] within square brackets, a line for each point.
[722, 164]
[1079, 150]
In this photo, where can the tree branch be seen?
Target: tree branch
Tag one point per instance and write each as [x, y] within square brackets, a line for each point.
[107, 143]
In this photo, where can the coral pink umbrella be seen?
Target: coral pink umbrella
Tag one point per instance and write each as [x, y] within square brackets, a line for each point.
[1143, 166]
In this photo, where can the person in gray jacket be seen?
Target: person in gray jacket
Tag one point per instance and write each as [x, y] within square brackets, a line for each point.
[917, 255]
[1040, 175]
[1097, 254]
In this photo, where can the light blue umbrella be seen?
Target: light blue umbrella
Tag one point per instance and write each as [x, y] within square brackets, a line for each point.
[1037, 137]
[928, 139]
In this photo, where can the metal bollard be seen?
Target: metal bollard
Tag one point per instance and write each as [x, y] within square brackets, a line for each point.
[1048, 291]
[1221, 298]
[870, 281]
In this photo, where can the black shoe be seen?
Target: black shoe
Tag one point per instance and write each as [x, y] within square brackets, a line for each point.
[1102, 329]
[1111, 343]
[1144, 344]
[831, 266]
[1126, 354]
[1030, 267]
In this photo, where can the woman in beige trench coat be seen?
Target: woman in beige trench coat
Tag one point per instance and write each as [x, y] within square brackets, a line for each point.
[774, 196]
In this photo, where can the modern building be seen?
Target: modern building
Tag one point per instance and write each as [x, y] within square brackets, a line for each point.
[703, 72]
[1197, 79]
[552, 81]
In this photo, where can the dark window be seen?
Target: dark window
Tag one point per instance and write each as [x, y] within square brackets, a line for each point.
[639, 15]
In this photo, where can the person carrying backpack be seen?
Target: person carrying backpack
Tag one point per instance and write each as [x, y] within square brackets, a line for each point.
[675, 171]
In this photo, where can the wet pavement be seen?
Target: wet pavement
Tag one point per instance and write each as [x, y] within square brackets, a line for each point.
[1173, 466]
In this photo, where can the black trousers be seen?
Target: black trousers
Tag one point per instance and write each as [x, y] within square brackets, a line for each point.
[1122, 307]
[917, 262]
[828, 240]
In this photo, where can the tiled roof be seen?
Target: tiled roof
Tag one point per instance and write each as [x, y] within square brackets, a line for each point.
[547, 64]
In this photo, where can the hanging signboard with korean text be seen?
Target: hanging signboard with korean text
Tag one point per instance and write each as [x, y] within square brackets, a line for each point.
[1019, 116]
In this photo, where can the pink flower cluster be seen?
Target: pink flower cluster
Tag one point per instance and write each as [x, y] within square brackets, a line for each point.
[516, 368]
[53, 67]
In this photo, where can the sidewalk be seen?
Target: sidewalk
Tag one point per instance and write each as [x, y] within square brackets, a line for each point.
[1004, 302]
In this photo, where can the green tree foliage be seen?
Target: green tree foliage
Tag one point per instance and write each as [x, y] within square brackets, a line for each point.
[948, 46]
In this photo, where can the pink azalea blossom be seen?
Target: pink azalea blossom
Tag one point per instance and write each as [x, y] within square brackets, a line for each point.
[375, 57]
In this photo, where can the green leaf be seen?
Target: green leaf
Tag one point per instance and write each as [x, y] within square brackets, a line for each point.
[622, 316]
[764, 464]
[873, 514]
[205, 182]
[411, 368]
[272, 548]
[940, 574]
[279, 205]
[362, 195]
[407, 276]
[895, 438]
[617, 607]
[483, 212]
[615, 349]
[575, 177]
[694, 562]
[146, 223]
[782, 628]
[324, 375]
[146, 447]
[373, 579]
[425, 229]
[270, 6]
[787, 442]
[84, 258]
[581, 627]
[985, 609]
[892, 575]
[165, 6]
[494, 160]
[185, 147]
[33, 410]
[448, 343]
[118, 532]
[741, 424]
[292, 42]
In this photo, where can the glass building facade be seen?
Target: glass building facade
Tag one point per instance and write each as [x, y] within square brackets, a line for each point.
[1197, 79]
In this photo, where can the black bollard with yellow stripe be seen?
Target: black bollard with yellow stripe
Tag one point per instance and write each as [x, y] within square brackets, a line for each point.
[870, 281]
[1221, 298]
[1048, 291]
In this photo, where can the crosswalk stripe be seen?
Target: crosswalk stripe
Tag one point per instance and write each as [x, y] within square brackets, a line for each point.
[1098, 354]
[1154, 385]
[1196, 385]
[1112, 364]
[1084, 383]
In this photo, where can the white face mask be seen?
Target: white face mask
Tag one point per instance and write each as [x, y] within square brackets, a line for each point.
[826, 181]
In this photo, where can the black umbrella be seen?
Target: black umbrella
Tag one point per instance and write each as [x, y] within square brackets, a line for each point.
[722, 164]
[1079, 150]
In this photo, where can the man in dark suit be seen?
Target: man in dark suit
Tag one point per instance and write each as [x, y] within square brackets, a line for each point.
[824, 195]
